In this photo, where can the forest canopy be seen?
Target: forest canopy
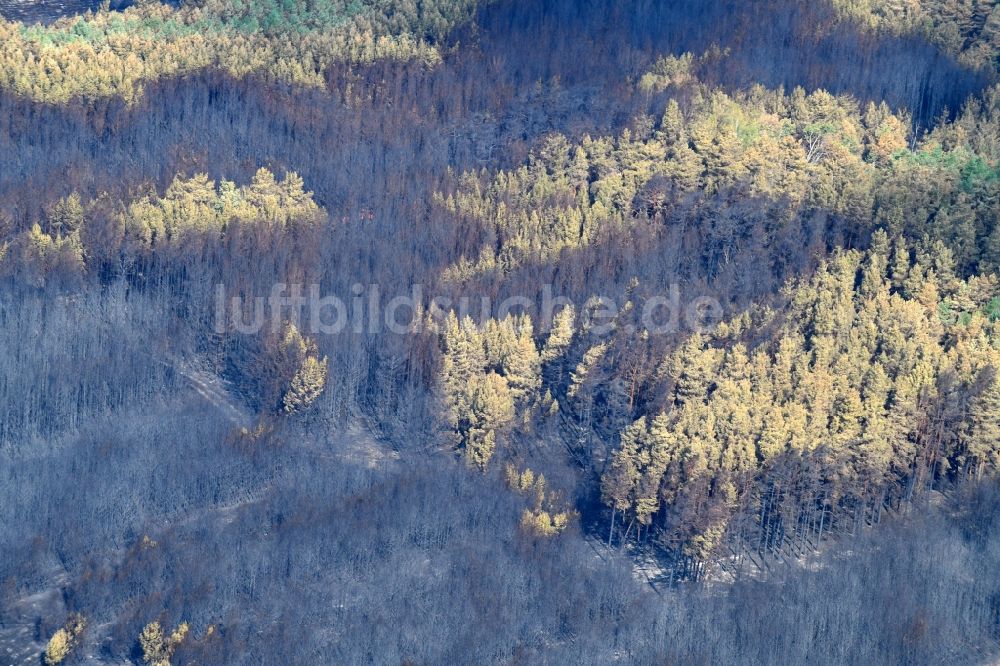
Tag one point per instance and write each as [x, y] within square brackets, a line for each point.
[827, 419]
[107, 53]
[969, 29]
[667, 332]
[805, 152]
[111, 53]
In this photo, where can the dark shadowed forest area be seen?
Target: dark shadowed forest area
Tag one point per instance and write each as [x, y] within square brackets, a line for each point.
[528, 332]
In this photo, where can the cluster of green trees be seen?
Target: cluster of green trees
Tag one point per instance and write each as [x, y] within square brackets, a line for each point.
[290, 373]
[873, 380]
[64, 640]
[157, 647]
[969, 29]
[489, 379]
[876, 379]
[543, 517]
[808, 152]
[199, 208]
[192, 216]
[110, 53]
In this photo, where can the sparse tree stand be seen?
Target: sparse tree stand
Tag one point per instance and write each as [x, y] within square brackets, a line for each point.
[307, 385]
[292, 374]
[157, 649]
[542, 519]
[64, 640]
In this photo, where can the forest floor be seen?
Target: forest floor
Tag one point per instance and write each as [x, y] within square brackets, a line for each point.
[21, 642]
[216, 392]
[18, 645]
